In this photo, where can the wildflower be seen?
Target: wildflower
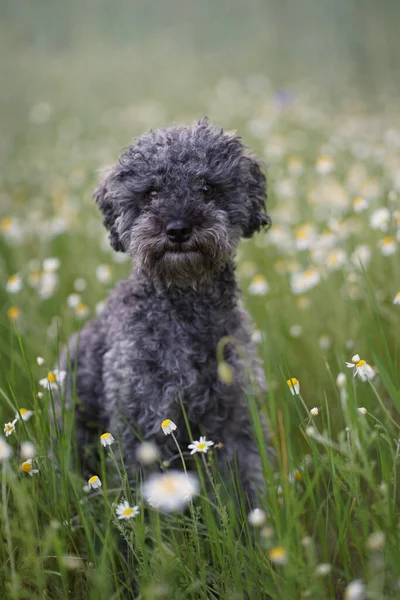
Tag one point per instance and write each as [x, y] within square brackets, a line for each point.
[53, 380]
[24, 413]
[81, 311]
[305, 236]
[28, 450]
[225, 372]
[323, 569]
[168, 426]
[296, 475]
[125, 511]
[361, 256]
[355, 590]
[171, 491]
[295, 330]
[73, 300]
[335, 259]
[278, 555]
[341, 380]
[103, 273]
[387, 246]
[324, 165]
[376, 541]
[200, 446]
[106, 439]
[303, 281]
[9, 428]
[48, 283]
[256, 336]
[147, 453]
[258, 286]
[360, 204]
[396, 299]
[40, 361]
[294, 386]
[362, 410]
[94, 482]
[380, 219]
[325, 342]
[256, 517]
[51, 264]
[5, 450]
[314, 412]
[28, 468]
[14, 284]
[361, 368]
[13, 313]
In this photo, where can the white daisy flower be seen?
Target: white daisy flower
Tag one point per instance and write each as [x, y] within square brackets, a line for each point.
[28, 468]
[362, 410]
[14, 284]
[106, 439]
[314, 412]
[387, 246]
[82, 311]
[336, 259]
[360, 204]
[40, 361]
[380, 219]
[304, 281]
[295, 330]
[24, 413]
[201, 446]
[258, 286]
[73, 300]
[355, 590]
[94, 482]
[278, 555]
[28, 450]
[324, 165]
[396, 299]
[51, 264]
[361, 368]
[5, 450]
[53, 380]
[256, 517]
[125, 511]
[170, 491]
[147, 453]
[323, 569]
[341, 380]
[168, 426]
[294, 386]
[325, 342]
[103, 273]
[305, 236]
[361, 256]
[9, 428]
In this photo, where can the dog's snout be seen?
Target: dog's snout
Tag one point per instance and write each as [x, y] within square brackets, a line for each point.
[178, 231]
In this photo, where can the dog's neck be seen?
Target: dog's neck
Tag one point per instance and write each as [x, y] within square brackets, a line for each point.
[221, 292]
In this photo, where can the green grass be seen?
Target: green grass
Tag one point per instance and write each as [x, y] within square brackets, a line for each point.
[335, 480]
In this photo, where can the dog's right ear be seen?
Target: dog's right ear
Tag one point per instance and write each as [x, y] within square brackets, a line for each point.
[108, 207]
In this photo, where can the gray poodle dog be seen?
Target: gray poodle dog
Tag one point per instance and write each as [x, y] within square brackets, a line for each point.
[177, 201]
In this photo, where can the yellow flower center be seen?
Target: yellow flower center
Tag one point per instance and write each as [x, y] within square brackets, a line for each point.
[169, 486]
[292, 382]
[23, 411]
[127, 512]
[51, 377]
[81, 308]
[105, 436]
[13, 313]
[201, 446]
[298, 476]
[27, 467]
[13, 279]
[309, 273]
[333, 259]
[93, 479]
[277, 553]
[301, 234]
[5, 224]
[387, 240]
[360, 363]
[358, 201]
[166, 423]
[9, 427]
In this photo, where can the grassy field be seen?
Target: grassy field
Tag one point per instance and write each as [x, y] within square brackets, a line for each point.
[322, 286]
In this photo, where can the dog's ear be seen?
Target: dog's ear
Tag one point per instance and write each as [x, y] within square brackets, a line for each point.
[256, 190]
[108, 207]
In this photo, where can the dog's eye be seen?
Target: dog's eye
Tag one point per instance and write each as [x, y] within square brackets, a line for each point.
[207, 190]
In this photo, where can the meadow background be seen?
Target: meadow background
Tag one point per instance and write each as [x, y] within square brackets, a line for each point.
[312, 87]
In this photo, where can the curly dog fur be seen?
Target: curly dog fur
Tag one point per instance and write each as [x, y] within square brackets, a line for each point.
[178, 201]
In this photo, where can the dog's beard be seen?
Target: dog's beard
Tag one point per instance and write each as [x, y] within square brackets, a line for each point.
[195, 261]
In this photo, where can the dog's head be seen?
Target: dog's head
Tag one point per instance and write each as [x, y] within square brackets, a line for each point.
[180, 199]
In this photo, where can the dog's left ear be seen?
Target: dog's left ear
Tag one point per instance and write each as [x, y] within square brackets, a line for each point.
[256, 189]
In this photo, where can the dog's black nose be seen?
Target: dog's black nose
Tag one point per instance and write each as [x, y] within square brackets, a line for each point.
[178, 231]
